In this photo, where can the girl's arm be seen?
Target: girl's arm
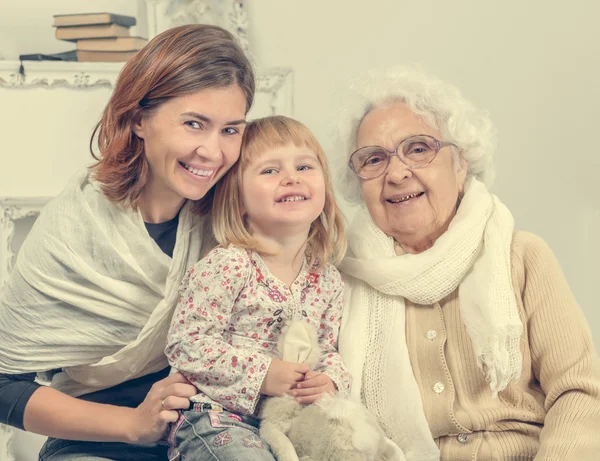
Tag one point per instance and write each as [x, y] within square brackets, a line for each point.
[330, 368]
[197, 345]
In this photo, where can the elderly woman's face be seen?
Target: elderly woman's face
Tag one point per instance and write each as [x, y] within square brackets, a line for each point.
[418, 221]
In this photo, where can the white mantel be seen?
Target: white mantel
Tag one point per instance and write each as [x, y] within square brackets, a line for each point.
[274, 86]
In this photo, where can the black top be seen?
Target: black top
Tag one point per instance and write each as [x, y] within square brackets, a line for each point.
[16, 390]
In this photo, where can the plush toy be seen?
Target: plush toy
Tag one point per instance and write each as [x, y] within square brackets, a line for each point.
[331, 429]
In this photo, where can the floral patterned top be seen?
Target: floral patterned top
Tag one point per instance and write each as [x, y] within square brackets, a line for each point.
[231, 311]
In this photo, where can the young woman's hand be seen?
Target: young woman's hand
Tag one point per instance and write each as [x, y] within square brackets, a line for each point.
[282, 376]
[313, 387]
[152, 417]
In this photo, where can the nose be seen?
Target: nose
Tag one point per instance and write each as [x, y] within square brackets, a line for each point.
[210, 146]
[290, 179]
[397, 170]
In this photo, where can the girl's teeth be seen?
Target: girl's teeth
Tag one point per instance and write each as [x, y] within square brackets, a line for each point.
[292, 199]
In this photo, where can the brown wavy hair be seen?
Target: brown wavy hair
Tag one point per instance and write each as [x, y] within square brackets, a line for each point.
[179, 61]
[327, 237]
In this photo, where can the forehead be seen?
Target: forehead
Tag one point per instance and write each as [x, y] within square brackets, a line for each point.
[286, 151]
[220, 103]
[389, 124]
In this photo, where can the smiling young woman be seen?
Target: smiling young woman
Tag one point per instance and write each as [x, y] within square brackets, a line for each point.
[89, 302]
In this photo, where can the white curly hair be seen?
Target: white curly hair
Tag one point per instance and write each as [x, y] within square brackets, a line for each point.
[438, 103]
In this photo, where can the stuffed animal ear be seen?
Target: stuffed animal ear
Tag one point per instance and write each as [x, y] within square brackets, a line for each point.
[298, 343]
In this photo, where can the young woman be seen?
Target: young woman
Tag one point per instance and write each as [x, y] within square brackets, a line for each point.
[280, 230]
[89, 302]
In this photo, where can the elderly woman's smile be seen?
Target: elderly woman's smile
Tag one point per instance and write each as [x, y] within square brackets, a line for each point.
[414, 205]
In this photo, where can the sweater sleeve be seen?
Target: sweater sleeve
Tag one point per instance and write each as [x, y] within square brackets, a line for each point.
[563, 359]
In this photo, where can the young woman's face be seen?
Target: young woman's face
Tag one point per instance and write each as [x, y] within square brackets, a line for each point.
[283, 190]
[191, 141]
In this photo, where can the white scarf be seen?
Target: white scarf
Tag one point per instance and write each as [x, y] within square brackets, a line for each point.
[92, 293]
[473, 255]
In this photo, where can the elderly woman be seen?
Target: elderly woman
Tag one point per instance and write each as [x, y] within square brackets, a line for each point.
[461, 333]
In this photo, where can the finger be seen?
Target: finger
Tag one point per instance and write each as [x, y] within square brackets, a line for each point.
[175, 403]
[174, 378]
[309, 399]
[311, 374]
[180, 390]
[298, 377]
[319, 380]
[302, 368]
[169, 416]
[308, 391]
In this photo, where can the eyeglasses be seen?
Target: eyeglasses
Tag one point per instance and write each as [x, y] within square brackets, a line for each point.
[418, 151]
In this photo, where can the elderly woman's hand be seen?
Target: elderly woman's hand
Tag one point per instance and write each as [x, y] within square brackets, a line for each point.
[152, 417]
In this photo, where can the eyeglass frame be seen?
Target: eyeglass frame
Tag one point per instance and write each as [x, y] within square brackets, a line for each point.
[437, 143]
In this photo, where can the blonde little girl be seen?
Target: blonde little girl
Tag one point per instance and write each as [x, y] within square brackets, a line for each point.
[280, 232]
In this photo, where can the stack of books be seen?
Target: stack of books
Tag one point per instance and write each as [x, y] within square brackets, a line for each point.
[100, 37]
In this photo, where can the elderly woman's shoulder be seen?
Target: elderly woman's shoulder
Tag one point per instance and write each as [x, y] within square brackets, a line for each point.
[531, 252]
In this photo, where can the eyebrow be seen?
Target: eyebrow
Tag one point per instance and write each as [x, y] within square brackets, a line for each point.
[206, 119]
[276, 161]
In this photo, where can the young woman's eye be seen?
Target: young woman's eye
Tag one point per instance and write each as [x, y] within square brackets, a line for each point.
[193, 124]
[231, 130]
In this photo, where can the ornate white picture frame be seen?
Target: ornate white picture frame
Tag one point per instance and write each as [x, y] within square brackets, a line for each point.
[13, 209]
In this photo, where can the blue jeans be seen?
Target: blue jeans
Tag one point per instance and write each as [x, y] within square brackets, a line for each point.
[71, 450]
[208, 435]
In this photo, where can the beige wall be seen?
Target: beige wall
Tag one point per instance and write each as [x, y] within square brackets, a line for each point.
[533, 64]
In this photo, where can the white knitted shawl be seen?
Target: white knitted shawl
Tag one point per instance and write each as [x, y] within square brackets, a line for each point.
[92, 293]
[473, 255]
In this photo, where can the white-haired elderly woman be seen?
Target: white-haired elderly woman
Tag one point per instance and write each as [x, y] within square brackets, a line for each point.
[462, 334]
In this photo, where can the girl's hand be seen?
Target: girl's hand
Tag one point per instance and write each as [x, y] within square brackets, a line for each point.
[282, 376]
[313, 387]
[152, 417]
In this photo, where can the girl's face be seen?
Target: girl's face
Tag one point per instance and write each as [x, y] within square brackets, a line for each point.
[283, 191]
[191, 141]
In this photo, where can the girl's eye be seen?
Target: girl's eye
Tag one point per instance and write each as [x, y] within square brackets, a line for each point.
[269, 171]
[304, 167]
[230, 130]
[193, 124]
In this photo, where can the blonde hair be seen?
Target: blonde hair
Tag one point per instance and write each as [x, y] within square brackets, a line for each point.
[327, 238]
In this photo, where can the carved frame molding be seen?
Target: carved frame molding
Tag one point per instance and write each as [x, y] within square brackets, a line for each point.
[12, 209]
[229, 14]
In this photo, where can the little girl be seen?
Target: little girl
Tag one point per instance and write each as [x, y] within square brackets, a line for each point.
[280, 232]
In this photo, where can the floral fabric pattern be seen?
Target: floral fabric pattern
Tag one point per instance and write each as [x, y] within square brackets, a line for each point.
[230, 314]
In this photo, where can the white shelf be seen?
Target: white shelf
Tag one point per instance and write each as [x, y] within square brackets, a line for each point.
[58, 74]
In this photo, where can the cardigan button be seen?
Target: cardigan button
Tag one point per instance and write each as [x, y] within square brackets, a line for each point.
[463, 438]
[438, 388]
[431, 335]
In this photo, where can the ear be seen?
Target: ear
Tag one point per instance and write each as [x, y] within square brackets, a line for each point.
[138, 124]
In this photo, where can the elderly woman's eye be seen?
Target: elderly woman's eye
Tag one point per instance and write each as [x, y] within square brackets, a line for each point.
[374, 160]
[417, 149]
